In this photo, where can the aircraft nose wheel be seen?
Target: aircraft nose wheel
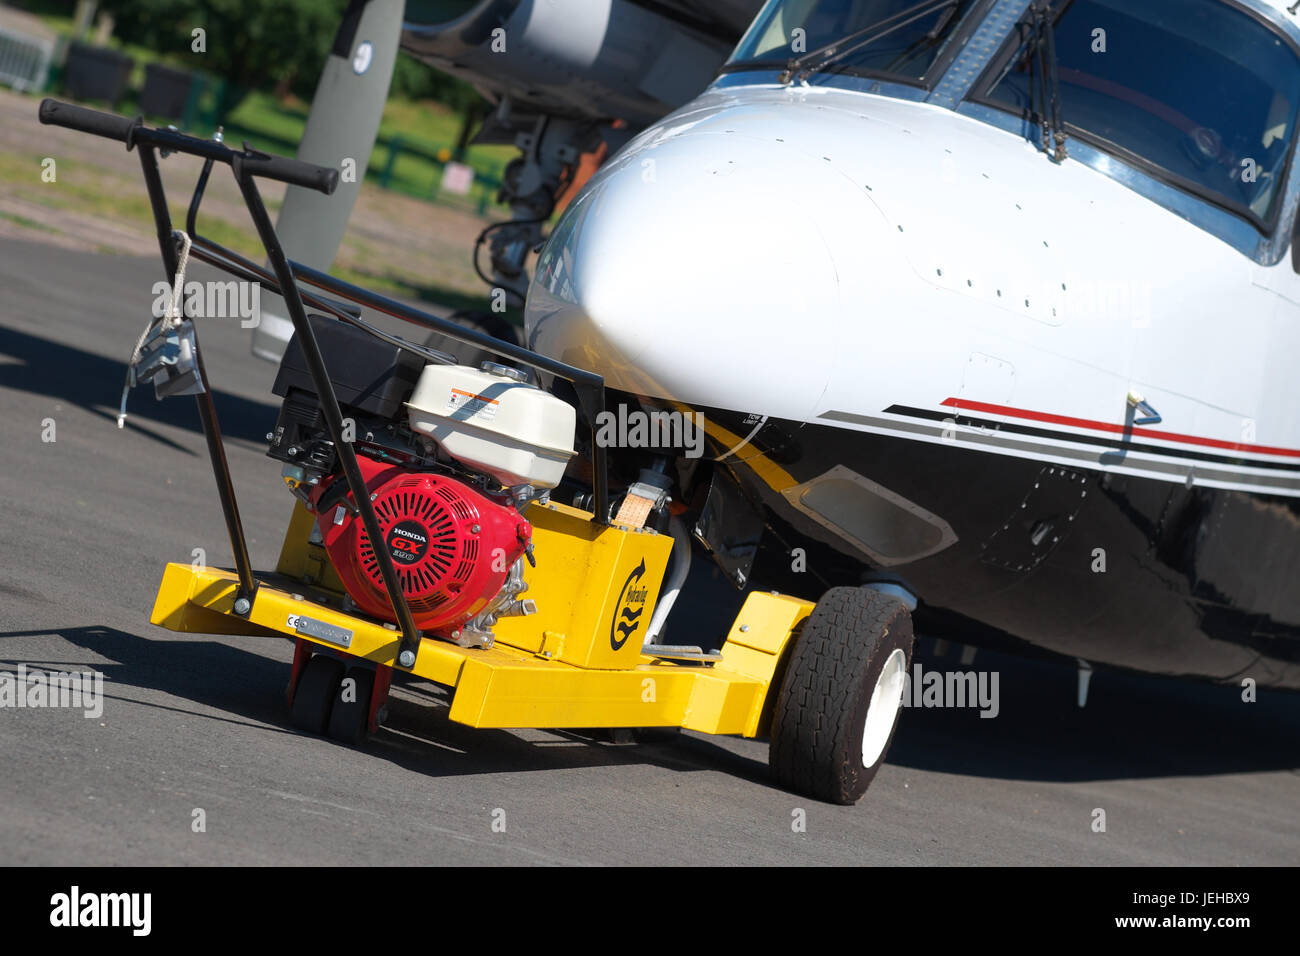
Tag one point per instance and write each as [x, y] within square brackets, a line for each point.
[839, 702]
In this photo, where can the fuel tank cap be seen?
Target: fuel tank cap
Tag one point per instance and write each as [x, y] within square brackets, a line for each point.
[505, 371]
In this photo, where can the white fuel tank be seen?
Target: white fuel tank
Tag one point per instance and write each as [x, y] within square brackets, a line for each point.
[491, 421]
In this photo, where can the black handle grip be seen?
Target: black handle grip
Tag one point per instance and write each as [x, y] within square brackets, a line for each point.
[292, 171]
[133, 131]
[108, 125]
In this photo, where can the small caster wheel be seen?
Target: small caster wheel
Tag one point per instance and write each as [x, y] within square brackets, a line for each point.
[351, 711]
[317, 688]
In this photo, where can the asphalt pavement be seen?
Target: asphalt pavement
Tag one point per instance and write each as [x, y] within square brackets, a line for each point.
[1184, 773]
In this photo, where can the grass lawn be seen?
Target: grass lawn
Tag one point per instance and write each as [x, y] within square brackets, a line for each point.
[425, 133]
[425, 130]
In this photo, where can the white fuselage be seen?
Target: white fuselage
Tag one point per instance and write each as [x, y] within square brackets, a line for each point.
[818, 254]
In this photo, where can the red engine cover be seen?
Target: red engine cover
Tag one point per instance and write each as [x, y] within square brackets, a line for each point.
[451, 546]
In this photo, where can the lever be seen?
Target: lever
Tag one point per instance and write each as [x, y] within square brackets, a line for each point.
[1151, 416]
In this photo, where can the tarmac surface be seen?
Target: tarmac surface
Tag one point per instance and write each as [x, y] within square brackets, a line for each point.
[1185, 773]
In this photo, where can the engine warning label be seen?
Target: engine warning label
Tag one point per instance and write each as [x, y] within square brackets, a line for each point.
[465, 404]
[407, 542]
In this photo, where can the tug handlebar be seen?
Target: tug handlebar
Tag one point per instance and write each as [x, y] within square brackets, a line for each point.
[133, 131]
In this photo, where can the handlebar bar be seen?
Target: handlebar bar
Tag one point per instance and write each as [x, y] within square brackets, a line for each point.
[133, 131]
[108, 125]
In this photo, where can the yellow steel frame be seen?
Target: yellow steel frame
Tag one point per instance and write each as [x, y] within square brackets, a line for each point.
[566, 666]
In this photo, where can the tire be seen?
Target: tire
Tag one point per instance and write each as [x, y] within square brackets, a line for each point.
[349, 719]
[821, 743]
[314, 696]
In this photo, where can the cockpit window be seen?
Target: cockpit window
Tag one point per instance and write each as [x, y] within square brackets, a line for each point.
[1199, 92]
[786, 29]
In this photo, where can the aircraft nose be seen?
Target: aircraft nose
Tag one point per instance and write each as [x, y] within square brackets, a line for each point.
[705, 256]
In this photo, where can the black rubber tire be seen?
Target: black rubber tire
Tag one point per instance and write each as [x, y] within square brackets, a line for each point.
[314, 697]
[820, 715]
[349, 719]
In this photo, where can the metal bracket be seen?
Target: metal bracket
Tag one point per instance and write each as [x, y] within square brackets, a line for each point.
[1150, 415]
[169, 359]
[681, 652]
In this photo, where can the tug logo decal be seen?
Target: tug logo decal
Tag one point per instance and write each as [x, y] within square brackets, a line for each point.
[630, 607]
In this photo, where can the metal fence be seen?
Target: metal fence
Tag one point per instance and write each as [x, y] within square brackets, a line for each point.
[24, 60]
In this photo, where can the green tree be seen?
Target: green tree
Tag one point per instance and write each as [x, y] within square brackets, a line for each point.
[250, 44]
[265, 44]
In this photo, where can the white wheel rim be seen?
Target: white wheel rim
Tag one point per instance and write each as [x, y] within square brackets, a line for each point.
[886, 698]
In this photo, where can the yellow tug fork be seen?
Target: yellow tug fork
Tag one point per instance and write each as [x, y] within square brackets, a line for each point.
[568, 665]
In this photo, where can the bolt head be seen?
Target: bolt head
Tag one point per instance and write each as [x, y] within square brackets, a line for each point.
[243, 606]
[406, 658]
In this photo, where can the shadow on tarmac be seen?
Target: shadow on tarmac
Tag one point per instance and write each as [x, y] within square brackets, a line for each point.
[1133, 727]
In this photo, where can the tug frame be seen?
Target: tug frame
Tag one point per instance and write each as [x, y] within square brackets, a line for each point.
[563, 667]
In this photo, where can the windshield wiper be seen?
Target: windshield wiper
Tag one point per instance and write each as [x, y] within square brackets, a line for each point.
[1045, 98]
[822, 57]
[926, 42]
